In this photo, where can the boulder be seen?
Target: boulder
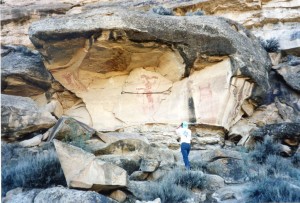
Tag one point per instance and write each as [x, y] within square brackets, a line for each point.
[128, 162]
[84, 170]
[228, 164]
[21, 196]
[61, 194]
[232, 170]
[285, 98]
[290, 73]
[286, 133]
[136, 148]
[214, 182]
[21, 116]
[32, 142]
[23, 72]
[70, 129]
[118, 195]
[123, 147]
[263, 115]
[138, 176]
[234, 194]
[99, 53]
[149, 165]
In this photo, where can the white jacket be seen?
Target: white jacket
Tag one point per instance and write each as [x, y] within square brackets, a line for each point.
[185, 135]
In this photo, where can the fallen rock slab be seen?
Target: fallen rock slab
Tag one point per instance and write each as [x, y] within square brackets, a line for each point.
[84, 170]
[21, 115]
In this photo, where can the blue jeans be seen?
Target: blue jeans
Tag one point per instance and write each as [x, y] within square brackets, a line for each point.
[185, 150]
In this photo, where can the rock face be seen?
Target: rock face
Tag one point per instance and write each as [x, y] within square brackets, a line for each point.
[267, 19]
[23, 72]
[20, 116]
[83, 170]
[134, 60]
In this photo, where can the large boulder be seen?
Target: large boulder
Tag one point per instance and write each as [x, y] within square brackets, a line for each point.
[23, 72]
[61, 194]
[58, 194]
[290, 71]
[20, 116]
[141, 61]
[84, 170]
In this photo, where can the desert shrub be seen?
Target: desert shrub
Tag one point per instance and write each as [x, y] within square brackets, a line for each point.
[160, 10]
[263, 150]
[196, 13]
[296, 160]
[198, 165]
[8, 151]
[175, 186]
[269, 189]
[167, 192]
[187, 179]
[33, 170]
[270, 45]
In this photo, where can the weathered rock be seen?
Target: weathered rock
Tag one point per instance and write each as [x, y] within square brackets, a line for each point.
[157, 200]
[60, 194]
[32, 142]
[23, 72]
[118, 195]
[16, 18]
[55, 108]
[232, 170]
[263, 115]
[214, 182]
[22, 196]
[122, 147]
[291, 74]
[287, 133]
[234, 194]
[115, 136]
[149, 165]
[125, 40]
[129, 163]
[138, 176]
[84, 170]
[136, 148]
[285, 98]
[70, 129]
[20, 116]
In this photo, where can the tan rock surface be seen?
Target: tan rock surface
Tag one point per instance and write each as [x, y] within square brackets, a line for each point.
[83, 170]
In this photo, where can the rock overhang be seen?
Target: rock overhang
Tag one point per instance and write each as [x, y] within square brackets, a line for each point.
[112, 43]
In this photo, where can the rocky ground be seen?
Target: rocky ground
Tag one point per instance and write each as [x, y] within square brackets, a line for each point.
[92, 92]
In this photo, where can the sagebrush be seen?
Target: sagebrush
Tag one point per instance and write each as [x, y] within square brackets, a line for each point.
[39, 170]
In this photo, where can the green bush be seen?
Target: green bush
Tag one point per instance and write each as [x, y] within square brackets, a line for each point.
[41, 170]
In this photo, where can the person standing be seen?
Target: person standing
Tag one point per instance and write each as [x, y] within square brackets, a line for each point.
[185, 142]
